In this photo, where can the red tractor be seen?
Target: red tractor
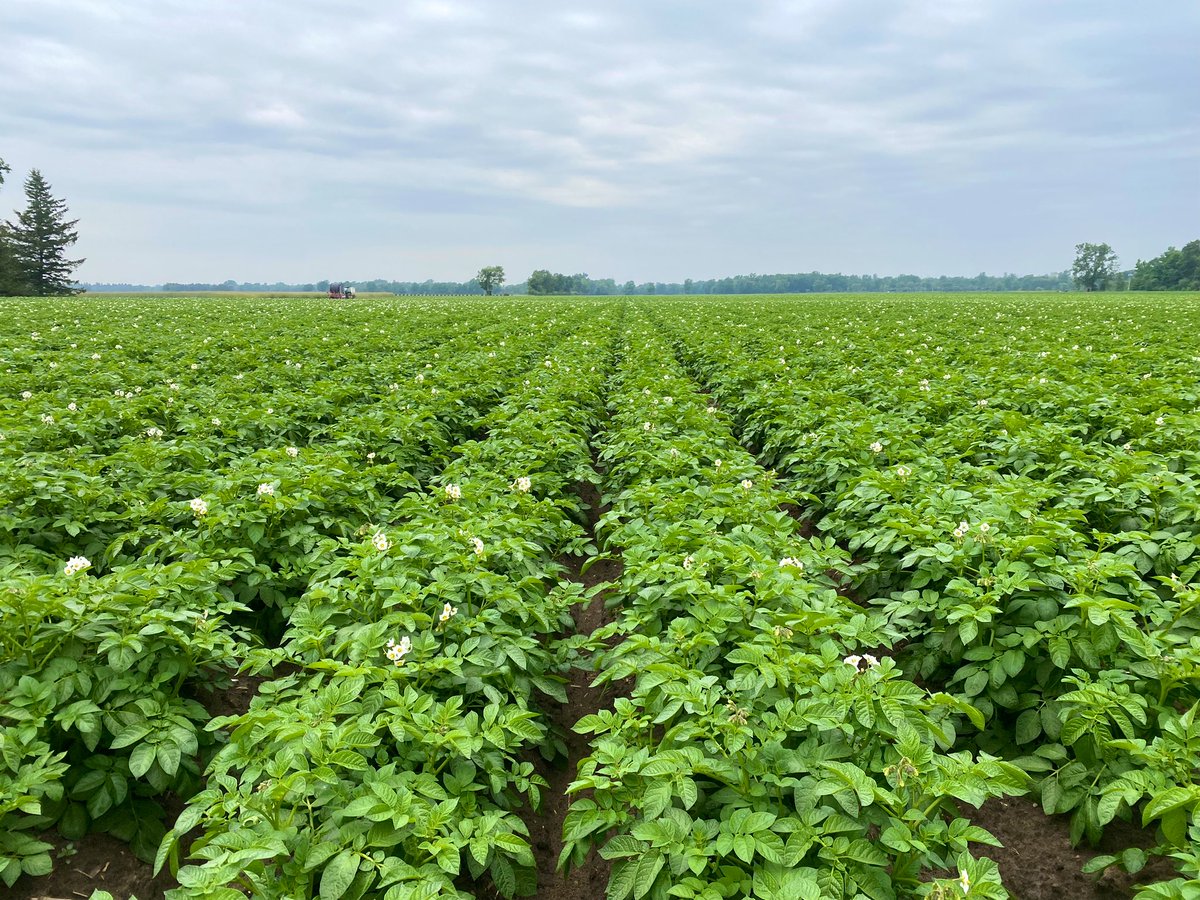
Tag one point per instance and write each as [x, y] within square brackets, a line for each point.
[339, 291]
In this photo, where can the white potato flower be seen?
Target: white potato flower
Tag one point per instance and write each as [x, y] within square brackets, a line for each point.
[76, 564]
[199, 507]
[396, 652]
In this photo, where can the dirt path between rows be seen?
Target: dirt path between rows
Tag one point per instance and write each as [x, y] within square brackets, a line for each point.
[589, 881]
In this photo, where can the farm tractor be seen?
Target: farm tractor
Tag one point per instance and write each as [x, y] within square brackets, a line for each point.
[339, 291]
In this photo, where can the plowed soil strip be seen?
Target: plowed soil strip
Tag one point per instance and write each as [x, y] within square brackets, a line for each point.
[546, 825]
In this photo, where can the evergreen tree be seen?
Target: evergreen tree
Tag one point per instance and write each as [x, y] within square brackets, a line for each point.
[39, 239]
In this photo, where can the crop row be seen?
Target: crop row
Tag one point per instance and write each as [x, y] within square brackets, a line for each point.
[763, 746]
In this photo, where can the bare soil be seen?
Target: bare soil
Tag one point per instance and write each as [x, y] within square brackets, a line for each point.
[98, 862]
[587, 882]
[1037, 861]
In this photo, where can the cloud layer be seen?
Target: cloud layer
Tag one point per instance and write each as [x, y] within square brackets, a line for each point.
[299, 140]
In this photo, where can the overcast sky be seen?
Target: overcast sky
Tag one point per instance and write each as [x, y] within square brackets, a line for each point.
[302, 139]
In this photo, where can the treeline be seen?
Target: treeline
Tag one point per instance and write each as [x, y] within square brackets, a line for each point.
[544, 282]
[33, 244]
[1175, 270]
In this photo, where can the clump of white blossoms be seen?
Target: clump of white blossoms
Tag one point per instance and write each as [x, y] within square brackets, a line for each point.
[371, 456]
[448, 613]
[266, 489]
[981, 403]
[790, 562]
[747, 484]
[420, 378]
[688, 561]
[453, 492]
[861, 663]
[876, 447]
[47, 419]
[1159, 421]
[903, 471]
[292, 452]
[477, 546]
[154, 432]
[647, 426]
[522, 484]
[396, 652]
[923, 384]
[76, 564]
[199, 507]
[26, 395]
[216, 421]
[72, 407]
[380, 542]
[961, 531]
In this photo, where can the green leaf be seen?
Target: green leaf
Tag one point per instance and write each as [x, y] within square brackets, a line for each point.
[1170, 799]
[648, 868]
[141, 760]
[169, 757]
[1052, 794]
[339, 875]
[621, 881]
[1029, 726]
[975, 683]
[1133, 859]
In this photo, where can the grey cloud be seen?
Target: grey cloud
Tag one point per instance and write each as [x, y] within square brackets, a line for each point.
[630, 139]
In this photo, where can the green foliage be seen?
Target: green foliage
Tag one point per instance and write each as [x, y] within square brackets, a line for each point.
[490, 278]
[1175, 270]
[38, 240]
[1095, 266]
[542, 281]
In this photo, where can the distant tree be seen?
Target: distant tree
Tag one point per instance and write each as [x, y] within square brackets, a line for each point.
[1175, 270]
[1095, 265]
[540, 282]
[490, 278]
[40, 237]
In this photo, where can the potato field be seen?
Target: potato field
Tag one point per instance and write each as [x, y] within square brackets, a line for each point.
[785, 598]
